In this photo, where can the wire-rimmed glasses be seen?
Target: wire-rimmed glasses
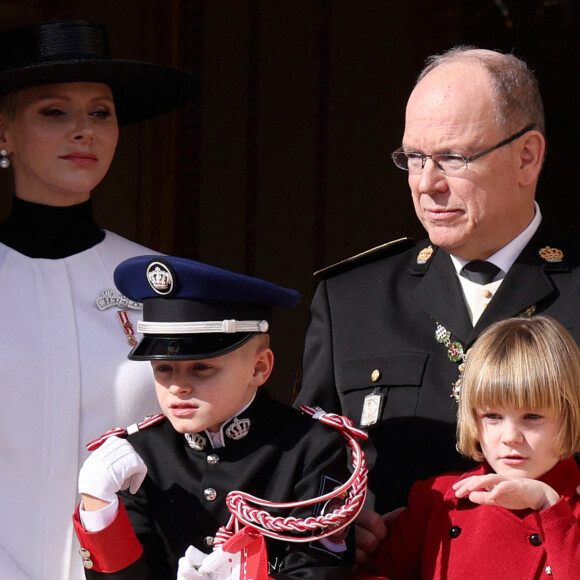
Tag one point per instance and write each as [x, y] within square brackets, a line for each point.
[448, 163]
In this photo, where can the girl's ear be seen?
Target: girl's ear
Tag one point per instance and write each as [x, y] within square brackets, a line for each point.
[263, 365]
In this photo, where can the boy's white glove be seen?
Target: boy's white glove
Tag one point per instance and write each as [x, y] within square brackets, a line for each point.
[114, 466]
[218, 565]
[187, 566]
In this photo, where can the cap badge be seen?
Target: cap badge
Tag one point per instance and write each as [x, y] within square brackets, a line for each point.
[424, 255]
[238, 429]
[551, 254]
[160, 278]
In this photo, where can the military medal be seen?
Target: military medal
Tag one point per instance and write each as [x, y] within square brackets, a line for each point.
[371, 410]
[455, 353]
[127, 327]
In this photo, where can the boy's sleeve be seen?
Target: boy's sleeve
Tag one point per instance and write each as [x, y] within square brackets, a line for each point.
[113, 551]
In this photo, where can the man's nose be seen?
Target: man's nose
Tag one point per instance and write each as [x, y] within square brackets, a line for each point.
[431, 178]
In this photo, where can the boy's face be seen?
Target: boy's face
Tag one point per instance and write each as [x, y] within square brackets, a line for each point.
[516, 442]
[196, 395]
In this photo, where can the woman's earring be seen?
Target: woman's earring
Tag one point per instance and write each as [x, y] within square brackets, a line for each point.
[4, 159]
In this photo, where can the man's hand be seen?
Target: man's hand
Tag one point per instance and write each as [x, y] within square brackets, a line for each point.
[114, 466]
[514, 493]
[370, 530]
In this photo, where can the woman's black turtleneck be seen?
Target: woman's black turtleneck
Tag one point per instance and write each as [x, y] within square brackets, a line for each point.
[43, 231]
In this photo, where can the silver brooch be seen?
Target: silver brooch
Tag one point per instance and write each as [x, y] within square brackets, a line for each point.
[109, 298]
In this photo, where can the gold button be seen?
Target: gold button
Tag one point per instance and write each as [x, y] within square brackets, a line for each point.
[487, 294]
[87, 563]
[84, 553]
[375, 375]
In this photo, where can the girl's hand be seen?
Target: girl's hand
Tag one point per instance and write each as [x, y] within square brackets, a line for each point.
[508, 492]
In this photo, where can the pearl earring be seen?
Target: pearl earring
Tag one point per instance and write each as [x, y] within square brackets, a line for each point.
[4, 159]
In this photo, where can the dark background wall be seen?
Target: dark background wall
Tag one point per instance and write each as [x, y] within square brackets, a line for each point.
[281, 165]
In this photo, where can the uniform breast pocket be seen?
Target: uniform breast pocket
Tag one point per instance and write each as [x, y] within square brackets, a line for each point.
[393, 378]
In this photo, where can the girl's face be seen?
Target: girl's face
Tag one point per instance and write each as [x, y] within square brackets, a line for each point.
[196, 395]
[61, 139]
[518, 443]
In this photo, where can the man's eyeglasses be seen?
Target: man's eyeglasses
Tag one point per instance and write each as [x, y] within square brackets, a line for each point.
[448, 163]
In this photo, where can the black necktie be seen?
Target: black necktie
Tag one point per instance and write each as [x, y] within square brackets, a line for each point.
[480, 272]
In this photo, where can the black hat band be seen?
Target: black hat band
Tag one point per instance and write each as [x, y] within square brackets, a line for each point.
[54, 41]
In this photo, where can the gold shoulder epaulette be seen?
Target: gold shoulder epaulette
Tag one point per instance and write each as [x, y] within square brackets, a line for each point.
[378, 251]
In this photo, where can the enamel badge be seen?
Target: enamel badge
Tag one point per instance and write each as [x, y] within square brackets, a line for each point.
[551, 254]
[424, 255]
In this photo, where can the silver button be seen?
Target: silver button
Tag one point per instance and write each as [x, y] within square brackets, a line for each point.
[210, 494]
[208, 541]
[87, 563]
[84, 553]
[213, 459]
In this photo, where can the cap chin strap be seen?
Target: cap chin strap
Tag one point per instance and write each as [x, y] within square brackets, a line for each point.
[318, 527]
[209, 327]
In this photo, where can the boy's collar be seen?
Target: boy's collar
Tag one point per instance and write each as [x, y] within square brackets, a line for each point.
[234, 428]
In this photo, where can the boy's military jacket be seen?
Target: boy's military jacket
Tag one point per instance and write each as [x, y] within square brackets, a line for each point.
[373, 331]
[271, 451]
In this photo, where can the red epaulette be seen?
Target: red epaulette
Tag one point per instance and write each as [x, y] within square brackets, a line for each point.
[124, 431]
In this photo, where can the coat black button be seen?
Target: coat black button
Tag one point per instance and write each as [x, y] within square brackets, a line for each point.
[535, 540]
[213, 459]
[454, 531]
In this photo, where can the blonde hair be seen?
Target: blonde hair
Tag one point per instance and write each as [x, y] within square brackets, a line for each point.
[524, 363]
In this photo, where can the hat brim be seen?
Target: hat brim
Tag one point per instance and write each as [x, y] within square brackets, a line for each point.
[141, 90]
[188, 347]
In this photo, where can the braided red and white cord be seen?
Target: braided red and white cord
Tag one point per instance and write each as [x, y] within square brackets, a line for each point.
[318, 527]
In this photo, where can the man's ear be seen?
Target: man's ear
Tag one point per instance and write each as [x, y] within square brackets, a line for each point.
[531, 157]
[263, 365]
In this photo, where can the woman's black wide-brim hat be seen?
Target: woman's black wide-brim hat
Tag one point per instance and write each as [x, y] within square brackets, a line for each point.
[75, 51]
